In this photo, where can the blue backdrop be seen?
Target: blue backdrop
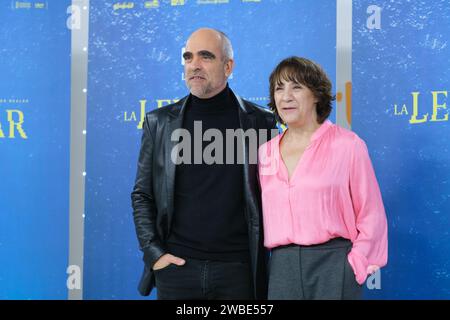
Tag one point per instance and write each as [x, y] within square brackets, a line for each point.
[34, 164]
[409, 53]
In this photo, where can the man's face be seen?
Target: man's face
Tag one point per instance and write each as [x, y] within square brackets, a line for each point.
[206, 71]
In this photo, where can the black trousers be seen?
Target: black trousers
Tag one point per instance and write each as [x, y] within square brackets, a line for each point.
[317, 272]
[205, 280]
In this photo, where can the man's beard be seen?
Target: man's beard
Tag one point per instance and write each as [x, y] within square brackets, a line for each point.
[200, 90]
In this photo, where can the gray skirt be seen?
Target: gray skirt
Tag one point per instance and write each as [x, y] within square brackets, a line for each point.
[319, 272]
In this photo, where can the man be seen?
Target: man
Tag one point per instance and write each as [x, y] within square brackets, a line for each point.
[199, 224]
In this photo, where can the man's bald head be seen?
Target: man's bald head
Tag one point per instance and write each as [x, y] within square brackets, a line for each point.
[208, 62]
[216, 35]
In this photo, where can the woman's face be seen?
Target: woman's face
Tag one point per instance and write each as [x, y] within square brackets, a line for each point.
[296, 103]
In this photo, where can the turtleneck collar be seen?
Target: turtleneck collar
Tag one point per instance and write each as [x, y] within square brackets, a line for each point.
[220, 102]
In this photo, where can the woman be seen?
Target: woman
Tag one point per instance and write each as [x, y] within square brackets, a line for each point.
[324, 218]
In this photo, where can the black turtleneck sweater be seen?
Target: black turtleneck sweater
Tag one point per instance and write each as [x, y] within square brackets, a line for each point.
[209, 220]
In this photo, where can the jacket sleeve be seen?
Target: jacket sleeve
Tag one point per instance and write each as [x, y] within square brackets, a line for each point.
[272, 122]
[271, 125]
[371, 245]
[143, 202]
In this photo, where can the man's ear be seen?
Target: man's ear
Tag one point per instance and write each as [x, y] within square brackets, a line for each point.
[229, 65]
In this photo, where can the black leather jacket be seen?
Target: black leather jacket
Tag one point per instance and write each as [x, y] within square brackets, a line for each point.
[153, 193]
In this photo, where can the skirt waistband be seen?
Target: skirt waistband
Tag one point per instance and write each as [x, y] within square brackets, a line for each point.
[330, 244]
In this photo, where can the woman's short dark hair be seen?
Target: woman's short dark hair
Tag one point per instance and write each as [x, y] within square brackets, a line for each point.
[308, 73]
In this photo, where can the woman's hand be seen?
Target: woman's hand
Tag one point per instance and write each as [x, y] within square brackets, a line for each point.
[372, 269]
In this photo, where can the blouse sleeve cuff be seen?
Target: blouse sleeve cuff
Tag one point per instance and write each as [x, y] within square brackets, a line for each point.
[359, 265]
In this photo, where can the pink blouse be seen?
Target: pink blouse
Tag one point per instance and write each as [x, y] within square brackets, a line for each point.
[333, 192]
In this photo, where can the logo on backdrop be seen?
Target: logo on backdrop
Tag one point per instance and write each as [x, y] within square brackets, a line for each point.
[140, 116]
[29, 5]
[154, 4]
[144, 106]
[424, 107]
[12, 119]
